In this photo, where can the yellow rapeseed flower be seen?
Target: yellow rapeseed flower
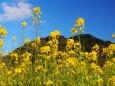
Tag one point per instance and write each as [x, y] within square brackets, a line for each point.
[1, 43]
[27, 40]
[108, 64]
[79, 22]
[26, 55]
[9, 72]
[26, 60]
[3, 32]
[17, 70]
[112, 80]
[113, 60]
[95, 47]
[113, 35]
[24, 24]
[55, 34]
[38, 68]
[1, 52]
[93, 65]
[70, 42]
[38, 40]
[33, 44]
[99, 71]
[50, 42]
[71, 61]
[74, 30]
[37, 10]
[14, 55]
[100, 81]
[14, 38]
[94, 56]
[22, 64]
[49, 82]
[71, 52]
[45, 49]
[3, 64]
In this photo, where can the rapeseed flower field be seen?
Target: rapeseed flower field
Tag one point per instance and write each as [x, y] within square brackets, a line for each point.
[48, 66]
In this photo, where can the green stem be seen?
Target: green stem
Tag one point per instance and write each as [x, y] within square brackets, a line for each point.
[13, 45]
[22, 36]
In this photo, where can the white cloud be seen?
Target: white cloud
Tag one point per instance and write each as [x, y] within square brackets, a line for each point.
[15, 11]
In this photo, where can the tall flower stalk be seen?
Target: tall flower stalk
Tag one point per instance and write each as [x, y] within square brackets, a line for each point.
[36, 14]
[113, 36]
[80, 25]
[13, 39]
[79, 28]
[24, 24]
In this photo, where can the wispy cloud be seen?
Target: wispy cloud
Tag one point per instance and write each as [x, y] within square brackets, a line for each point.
[15, 11]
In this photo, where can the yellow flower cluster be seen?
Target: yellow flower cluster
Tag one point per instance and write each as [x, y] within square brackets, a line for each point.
[37, 40]
[14, 55]
[14, 38]
[113, 35]
[71, 61]
[55, 34]
[94, 55]
[3, 31]
[70, 43]
[112, 80]
[37, 10]
[71, 52]
[38, 67]
[109, 50]
[17, 70]
[1, 43]
[79, 22]
[9, 72]
[45, 49]
[3, 65]
[108, 64]
[91, 56]
[100, 81]
[24, 24]
[74, 30]
[26, 54]
[1, 53]
[33, 45]
[27, 40]
[36, 14]
[96, 48]
[97, 69]
[49, 82]
[26, 58]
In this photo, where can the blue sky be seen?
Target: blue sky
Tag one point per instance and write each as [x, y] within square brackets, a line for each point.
[99, 16]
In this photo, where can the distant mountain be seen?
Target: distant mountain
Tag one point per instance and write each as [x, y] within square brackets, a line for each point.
[87, 42]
